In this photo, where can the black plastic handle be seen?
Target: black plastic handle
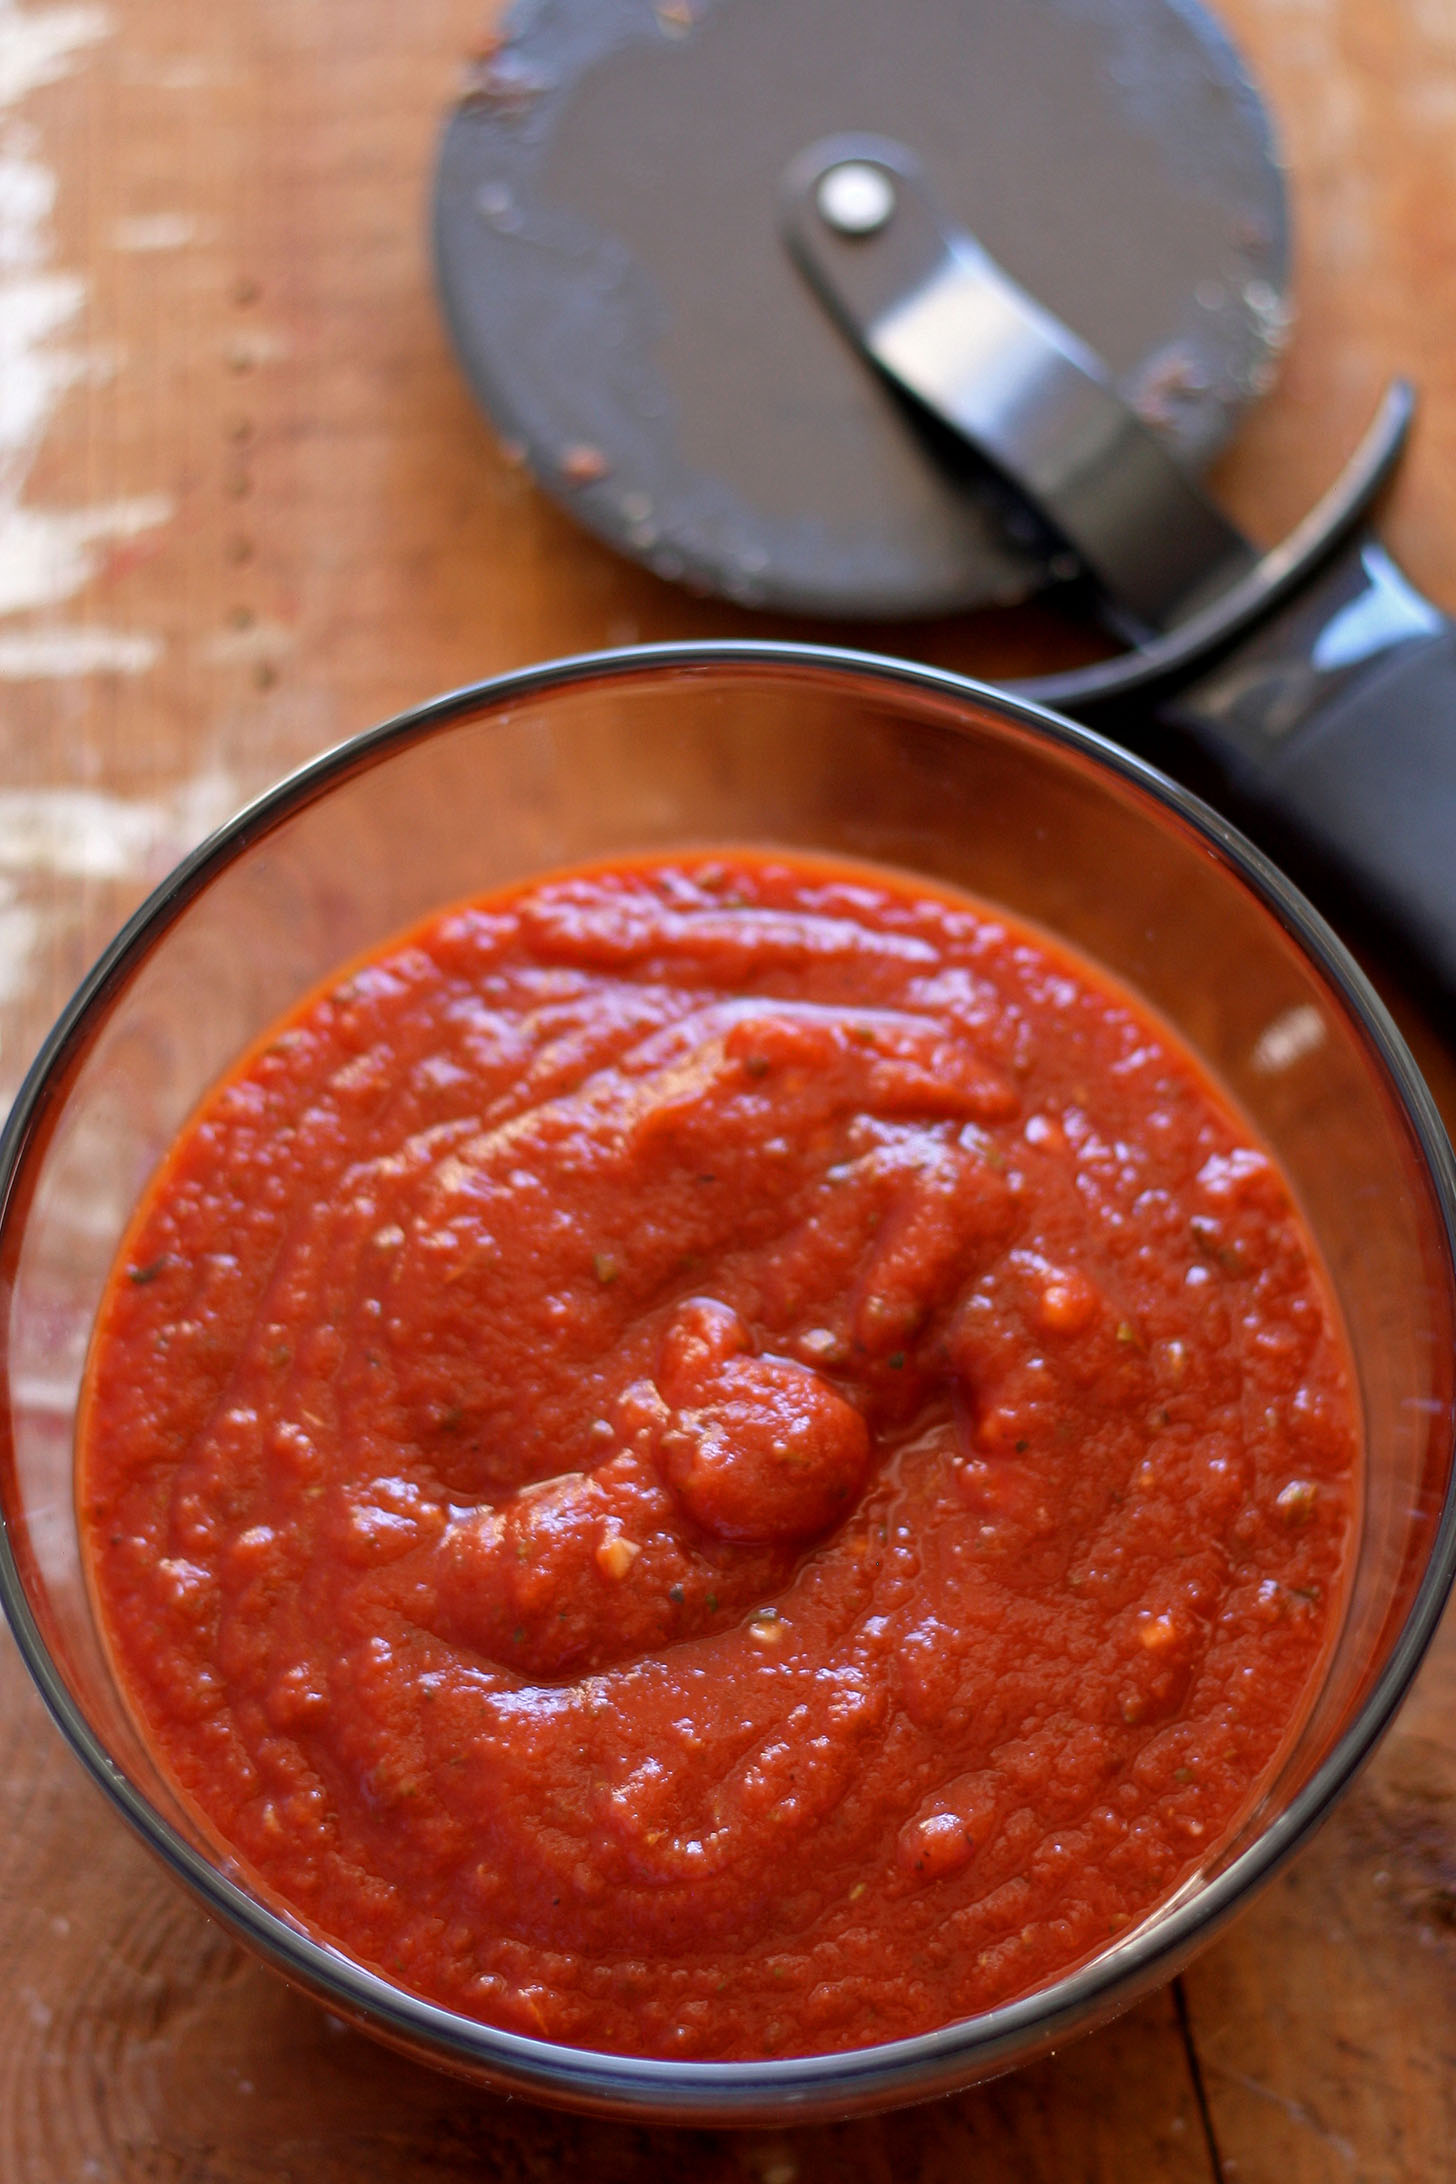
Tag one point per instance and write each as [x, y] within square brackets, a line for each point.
[1371, 782]
[1334, 729]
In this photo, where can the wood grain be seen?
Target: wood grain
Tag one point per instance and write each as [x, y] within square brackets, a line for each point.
[286, 521]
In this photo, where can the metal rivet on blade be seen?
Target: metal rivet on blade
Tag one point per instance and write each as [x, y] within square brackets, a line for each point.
[855, 197]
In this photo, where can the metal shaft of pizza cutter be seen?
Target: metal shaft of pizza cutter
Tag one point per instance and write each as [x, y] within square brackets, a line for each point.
[1315, 678]
[951, 328]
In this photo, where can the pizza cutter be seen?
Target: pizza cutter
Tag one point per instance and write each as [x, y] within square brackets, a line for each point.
[876, 311]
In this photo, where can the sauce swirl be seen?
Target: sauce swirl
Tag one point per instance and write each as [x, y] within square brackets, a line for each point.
[725, 1456]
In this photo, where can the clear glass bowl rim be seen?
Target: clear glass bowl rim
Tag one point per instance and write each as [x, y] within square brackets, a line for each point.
[898, 2071]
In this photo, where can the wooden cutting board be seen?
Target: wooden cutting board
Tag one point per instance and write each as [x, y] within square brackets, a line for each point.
[245, 510]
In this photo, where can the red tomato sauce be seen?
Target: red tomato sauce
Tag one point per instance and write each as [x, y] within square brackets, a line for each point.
[726, 1457]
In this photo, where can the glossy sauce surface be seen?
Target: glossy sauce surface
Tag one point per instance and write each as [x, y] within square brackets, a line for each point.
[720, 1458]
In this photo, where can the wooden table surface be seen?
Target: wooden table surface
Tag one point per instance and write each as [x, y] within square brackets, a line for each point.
[247, 509]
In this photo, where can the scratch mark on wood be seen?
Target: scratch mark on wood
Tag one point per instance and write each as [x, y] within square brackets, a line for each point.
[1298, 2113]
[56, 654]
[256, 345]
[83, 834]
[48, 554]
[21, 933]
[248, 643]
[153, 231]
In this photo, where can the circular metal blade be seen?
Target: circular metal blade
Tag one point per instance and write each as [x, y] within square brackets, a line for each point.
[611, 265]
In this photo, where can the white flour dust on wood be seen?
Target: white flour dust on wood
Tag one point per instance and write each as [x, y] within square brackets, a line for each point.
[48, 555]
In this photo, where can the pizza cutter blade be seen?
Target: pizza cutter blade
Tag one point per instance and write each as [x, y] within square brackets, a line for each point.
[1002, 369]
[612, 267]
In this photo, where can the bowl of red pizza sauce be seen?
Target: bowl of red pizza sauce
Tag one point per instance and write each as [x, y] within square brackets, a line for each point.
[729, 1382]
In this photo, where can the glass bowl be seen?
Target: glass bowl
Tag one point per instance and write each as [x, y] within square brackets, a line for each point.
[815, 750]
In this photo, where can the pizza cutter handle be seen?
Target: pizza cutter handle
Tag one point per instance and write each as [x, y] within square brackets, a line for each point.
[1320, 695]
[1334, 728]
